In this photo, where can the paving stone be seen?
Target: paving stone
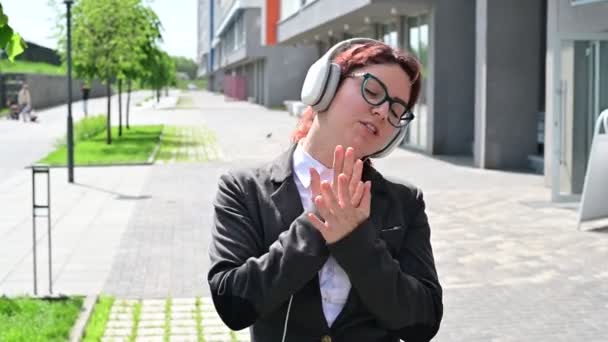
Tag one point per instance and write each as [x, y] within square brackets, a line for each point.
[183, 330]
[183, 308]
[183, 315]
[183, 323]
[184, 338]
[120, 332]
[114, 339]
[150, 339]
[121, 317]
[152, 316]
[148, 331]
[119, 324]
[151, 324]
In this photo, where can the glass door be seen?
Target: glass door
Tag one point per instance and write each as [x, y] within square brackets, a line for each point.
[581, 71]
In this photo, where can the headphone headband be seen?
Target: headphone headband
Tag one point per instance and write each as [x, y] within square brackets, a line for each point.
[322, 81]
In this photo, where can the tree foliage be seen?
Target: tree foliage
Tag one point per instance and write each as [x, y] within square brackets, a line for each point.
[10, 41]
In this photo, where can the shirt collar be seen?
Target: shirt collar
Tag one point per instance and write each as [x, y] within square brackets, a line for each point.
[302, 162]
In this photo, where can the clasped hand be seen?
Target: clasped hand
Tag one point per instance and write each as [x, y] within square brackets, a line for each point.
[344, 203]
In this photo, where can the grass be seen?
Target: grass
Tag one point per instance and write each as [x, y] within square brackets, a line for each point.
[168, 304]
[199, 320]
[136, 317]
[30, 319]
[99, 319]
[31, 68]
[188, 143]
[185, 102]
[200, 84]
[4, 112]
[135, 146]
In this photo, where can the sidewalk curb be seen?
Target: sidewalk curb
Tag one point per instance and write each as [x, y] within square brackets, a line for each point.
[96, 165]
[152, 157]
[78, 329]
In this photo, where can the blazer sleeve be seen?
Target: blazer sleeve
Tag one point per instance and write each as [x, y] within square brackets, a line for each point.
[404, 294]
[245, 280]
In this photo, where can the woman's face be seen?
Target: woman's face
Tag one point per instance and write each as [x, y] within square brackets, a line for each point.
[356, 123]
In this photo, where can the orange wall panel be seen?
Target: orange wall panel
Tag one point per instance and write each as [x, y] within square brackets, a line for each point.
[272, 19]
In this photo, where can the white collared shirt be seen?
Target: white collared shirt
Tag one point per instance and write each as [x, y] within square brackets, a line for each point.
[333, 280]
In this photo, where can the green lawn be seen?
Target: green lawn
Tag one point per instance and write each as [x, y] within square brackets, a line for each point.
[31, 68]
[98, 320]
[135, 146]
[28, 319]
[201, 84]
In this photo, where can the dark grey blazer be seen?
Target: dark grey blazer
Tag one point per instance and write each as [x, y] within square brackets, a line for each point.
[264, 250]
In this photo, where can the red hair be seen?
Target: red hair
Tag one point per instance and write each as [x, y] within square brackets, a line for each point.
[357, 57]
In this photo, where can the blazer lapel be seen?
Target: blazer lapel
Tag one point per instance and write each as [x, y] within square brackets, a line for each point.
[285, 196]
[286, 199]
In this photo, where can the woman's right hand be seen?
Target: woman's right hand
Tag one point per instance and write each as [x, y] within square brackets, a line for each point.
[343, 204]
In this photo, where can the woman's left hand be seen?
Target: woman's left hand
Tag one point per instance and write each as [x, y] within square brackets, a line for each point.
[345, 205]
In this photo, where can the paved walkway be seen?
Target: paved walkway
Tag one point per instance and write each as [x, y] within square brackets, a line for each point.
[513, 265]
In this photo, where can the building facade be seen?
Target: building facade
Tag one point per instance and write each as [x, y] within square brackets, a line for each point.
[513, 84]
[490, 83]
[242, 57]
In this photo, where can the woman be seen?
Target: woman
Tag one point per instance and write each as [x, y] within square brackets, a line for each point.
[317, 245]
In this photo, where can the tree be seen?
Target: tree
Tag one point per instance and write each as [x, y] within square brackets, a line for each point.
[160, 71]
[146, 29]
[109, 40]
[10, 41]
[186, 65]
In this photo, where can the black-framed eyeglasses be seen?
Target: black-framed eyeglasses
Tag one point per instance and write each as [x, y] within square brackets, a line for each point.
[375, 93]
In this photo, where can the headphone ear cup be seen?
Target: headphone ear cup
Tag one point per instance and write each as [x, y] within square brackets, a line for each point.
[330, 87]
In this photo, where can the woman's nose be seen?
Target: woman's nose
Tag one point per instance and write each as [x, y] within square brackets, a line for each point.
[382, 110]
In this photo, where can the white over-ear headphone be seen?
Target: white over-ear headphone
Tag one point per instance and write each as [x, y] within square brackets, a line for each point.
[321, 84]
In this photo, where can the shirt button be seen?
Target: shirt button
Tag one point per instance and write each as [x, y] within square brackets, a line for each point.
[326, 338]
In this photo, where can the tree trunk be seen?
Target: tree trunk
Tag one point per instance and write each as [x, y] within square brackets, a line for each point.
[158, 95]
[108, 123]
[120, 108]
[128, 100]
[166, 91]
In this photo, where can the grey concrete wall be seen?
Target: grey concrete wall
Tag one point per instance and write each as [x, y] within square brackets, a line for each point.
[452, 64]
[252, 17]
[291, 64]
[591, 17]
[509, 92]
[51, 90]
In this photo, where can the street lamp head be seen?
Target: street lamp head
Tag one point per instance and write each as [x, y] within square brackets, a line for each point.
[68, 2]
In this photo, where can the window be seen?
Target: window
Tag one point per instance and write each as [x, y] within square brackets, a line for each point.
[418, 33]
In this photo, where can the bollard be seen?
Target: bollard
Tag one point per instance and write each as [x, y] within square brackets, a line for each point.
[46, 212]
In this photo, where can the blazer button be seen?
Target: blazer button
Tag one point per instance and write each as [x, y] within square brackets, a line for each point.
[326, 338]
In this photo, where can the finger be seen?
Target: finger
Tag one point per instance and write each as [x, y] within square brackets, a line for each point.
[356, 199]
[317, 223]
[329, 197]
[355, 179]
[343, 191]
[366, 200]
[349, 162]
[315, 182]
[338, 164]
[321, 205]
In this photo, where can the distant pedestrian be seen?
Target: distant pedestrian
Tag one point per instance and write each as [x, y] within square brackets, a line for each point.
[85, 89]
[24, 100]
[317, 245]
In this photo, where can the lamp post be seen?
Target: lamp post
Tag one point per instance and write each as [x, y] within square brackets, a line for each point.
[70, 138]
